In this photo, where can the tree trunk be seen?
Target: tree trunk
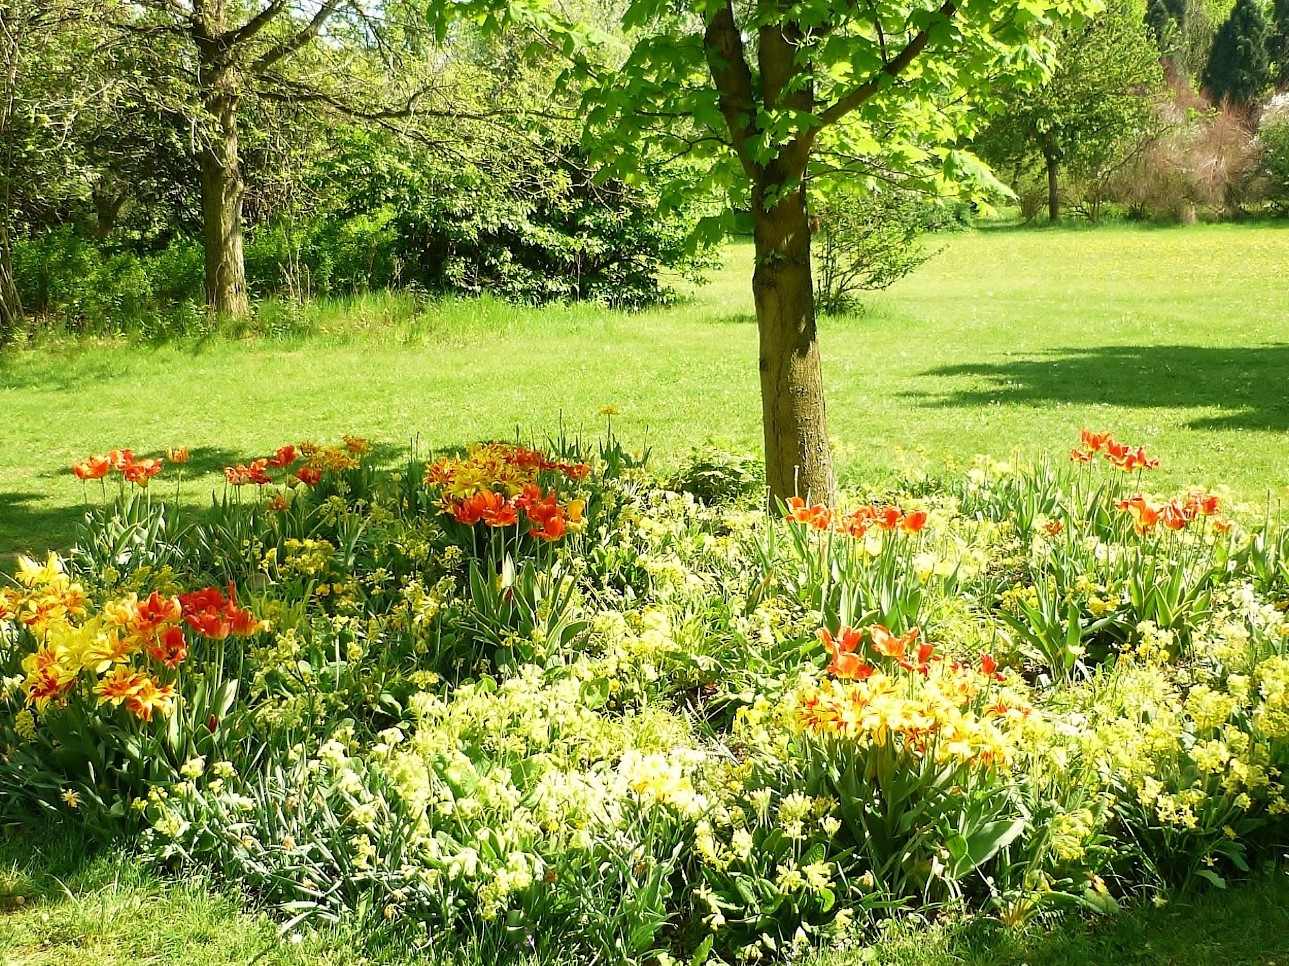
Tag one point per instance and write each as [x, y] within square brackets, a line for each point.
[1053, 186]
[11, 315]
[798, 461]
[221, 199]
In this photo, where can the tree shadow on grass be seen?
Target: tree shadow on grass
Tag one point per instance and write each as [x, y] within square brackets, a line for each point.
[1249, 383]
[27, 527]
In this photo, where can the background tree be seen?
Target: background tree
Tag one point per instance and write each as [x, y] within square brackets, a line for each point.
[1239, 67]
[778, 94]
[1183, 32]
[235, 51]
[48, 48]
[1278, 43]
[1091, 113]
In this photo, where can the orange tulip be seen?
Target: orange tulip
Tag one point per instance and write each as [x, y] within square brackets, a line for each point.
[1093, 442]
[887, 644]
[139, 473]
[914, 522]
[119, 457]
[284, 457]
[170, 647]
[92, 468]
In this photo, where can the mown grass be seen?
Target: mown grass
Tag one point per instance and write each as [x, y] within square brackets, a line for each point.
[62, 903]
[1174, 338]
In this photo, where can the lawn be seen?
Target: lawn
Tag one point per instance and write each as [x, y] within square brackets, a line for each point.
[1010, 337]
[61, 903]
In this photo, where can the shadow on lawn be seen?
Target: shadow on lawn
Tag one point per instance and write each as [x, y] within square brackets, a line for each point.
[28, 528]
[1248, 382]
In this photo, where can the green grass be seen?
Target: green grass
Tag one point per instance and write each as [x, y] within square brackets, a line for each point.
[61, 903]
[1174, 338]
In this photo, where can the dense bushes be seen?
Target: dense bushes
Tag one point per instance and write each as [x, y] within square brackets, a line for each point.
[543, 701]
[550, 235]
[87, 287]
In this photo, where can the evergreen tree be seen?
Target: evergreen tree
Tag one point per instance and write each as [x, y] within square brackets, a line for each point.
[1278, 43]
[1239, 66]
[1162, 25]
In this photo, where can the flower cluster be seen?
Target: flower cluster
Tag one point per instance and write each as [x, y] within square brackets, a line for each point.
[927, 708]
[503, 467]
[47, 595]
[1118, 454]
[72, 646]
[647, 708]
[214, 616]
[858, 522]
[493, 484]
[926, 716]
[137, 472]
[332, 459]
[1176, 514]
[256, 473]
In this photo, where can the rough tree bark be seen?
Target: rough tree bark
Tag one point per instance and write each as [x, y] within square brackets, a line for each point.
[235, 47]
[11, 312]
[222, 191]
[798, 459]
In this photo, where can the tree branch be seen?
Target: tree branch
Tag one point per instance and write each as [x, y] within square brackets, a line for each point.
[294, 43]
[727, 62]
[257, 23]
[892, 68]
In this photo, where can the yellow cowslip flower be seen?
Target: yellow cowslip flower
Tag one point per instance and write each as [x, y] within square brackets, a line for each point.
[24, 724]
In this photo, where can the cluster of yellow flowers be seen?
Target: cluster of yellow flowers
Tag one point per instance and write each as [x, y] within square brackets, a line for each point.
[932, 715]
[54, 608]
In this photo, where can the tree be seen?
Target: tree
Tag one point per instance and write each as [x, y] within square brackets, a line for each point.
[46, 47]
[1278, 42]
[237, 50]
[779, 93]
[1183, 32]
[1093, 110]
[1239, 67]
[867, 240]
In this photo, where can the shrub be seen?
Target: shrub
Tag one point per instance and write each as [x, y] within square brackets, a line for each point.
[867, 241]
[1273, 165]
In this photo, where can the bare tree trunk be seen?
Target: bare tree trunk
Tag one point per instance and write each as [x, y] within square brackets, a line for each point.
[222, 191]
[11, 314]
[798, 461]
[1053, 186]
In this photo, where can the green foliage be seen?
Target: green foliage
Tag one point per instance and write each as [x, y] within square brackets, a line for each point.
[546, 225]
[85, 287]
[1239, 66]
[715, 475]
[857, 121]
[1092, 114]
[1273, 162]
[1278, 42]
[1183, 32]
[867, 241]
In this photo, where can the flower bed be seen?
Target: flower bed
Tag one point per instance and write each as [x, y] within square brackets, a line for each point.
[551, 699]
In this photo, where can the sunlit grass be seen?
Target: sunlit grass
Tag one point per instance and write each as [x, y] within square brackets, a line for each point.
[62, 903]
[1173, 338]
